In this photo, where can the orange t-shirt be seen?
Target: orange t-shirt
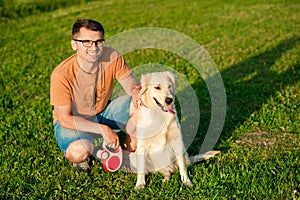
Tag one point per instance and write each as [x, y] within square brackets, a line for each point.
[87, 93]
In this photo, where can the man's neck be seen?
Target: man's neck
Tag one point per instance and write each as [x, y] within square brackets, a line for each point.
[88, 67]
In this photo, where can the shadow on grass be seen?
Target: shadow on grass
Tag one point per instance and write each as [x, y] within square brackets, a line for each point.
[248, 84]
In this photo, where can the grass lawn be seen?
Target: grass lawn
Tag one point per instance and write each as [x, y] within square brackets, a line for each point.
[256, 48]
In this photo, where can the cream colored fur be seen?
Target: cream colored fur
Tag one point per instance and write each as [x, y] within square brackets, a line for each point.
[160, 146]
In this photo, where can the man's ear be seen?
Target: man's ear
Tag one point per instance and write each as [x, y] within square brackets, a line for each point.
[74, 45]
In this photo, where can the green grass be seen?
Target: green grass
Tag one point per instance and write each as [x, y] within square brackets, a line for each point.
[256, 48]
[23, 8]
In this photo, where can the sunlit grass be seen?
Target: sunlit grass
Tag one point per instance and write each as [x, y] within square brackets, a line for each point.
[256, 48]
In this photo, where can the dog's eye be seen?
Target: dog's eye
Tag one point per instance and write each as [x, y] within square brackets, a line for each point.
[157, 87]
[169, 86]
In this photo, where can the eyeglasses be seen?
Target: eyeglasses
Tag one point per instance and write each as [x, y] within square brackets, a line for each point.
[89, 43]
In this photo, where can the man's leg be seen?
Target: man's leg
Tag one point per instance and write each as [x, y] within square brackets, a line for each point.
[76, 146]
[79, 150]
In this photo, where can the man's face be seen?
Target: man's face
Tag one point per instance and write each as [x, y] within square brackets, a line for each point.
[84, 53]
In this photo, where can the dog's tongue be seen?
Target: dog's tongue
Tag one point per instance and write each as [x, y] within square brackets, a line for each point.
[170, 109]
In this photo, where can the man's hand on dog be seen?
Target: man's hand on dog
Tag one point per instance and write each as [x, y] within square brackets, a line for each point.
[136, 95]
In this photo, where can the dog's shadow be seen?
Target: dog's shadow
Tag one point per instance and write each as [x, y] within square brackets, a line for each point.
[248, 84]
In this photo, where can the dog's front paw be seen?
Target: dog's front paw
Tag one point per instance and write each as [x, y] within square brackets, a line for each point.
[139, 186]
[166, 179]
[186, 181]
[140, 182]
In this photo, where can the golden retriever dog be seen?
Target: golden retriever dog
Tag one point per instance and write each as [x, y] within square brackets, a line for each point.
[159, 144]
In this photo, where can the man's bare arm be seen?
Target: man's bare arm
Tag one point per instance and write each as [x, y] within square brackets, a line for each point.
[67, 120]
[131, 87]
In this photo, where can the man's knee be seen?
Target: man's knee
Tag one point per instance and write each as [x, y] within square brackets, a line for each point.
[79, 151]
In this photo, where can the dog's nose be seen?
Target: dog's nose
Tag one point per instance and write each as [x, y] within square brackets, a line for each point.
[169, 100]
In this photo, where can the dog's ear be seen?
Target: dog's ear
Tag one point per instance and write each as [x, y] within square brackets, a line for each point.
[145, 79]
[172, 77]
[143, 89]
[144, 83]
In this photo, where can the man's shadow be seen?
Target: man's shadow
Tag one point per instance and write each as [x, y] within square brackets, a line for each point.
[248, 84]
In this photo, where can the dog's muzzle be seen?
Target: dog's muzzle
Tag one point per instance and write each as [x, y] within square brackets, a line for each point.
[169, 100]
[169, 107]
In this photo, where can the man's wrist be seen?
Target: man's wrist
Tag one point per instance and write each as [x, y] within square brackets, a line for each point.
[136, 87]
[102, 128]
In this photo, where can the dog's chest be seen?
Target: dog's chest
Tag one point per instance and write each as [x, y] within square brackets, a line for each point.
[152, 122]
[153, 127]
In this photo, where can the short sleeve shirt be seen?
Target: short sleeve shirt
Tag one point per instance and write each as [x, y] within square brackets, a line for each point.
[88, 94]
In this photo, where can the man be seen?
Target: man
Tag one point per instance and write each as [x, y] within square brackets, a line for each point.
[80, 92]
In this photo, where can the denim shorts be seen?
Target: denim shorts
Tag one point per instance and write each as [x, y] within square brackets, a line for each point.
[115, 115]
